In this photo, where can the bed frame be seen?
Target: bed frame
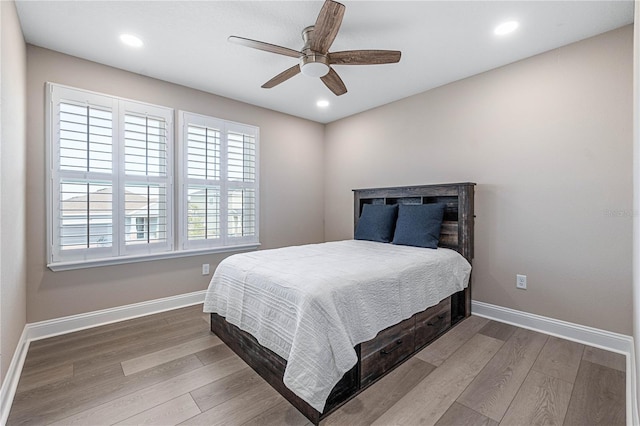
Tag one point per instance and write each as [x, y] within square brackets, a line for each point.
[394, 345]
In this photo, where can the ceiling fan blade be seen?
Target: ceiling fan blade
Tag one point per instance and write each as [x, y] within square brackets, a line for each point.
[333, 81]
[364, 57]
[282, 77]
[267, 47]
[327, 26]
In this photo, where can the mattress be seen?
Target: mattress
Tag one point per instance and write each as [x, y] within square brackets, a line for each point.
[312, 304]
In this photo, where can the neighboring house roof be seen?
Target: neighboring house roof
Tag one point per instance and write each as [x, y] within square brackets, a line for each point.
[101, 204]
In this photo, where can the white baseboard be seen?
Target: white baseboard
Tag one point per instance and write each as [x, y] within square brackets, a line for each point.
[10, 383]
[54, 327]
[50, 328]
[602, 339]
[632, 389]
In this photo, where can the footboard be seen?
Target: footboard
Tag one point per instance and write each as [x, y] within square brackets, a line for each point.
[270, 366]
[376, 357]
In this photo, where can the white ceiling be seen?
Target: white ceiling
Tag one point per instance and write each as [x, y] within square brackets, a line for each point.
[185, 42]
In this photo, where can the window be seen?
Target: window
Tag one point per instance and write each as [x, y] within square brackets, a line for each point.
[111, 171]
[219, 196]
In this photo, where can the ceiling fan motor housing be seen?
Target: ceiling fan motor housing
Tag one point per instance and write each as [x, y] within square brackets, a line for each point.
[314, 65]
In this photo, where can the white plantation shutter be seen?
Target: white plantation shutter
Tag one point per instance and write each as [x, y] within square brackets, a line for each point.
[147, 178]
[203, 150]
[241, 160]
[219, 197]
[110, 173]
[242, 213]
[241, 157]
[203, 159]
[203, 213]
[82, 167]
[86, 142]
[85, 163]
[86, 215]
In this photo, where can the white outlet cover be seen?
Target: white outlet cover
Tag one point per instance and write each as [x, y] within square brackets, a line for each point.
[521, 281]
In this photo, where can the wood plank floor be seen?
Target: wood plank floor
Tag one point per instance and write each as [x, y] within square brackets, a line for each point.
[168, 369]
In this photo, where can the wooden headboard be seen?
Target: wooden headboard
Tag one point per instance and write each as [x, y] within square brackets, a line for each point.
[457, 227]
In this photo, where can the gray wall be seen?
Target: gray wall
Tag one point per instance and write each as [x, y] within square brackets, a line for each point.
[549, 142]
[13, 186]
[291, 188]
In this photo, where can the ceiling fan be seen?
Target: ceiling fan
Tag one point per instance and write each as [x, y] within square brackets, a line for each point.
[315, 60]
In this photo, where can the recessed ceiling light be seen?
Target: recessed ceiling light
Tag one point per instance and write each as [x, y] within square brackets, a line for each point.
[506, 28]
[322, 104]
[131, 40]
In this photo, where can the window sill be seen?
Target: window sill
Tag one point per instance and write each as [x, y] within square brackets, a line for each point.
[93, 263]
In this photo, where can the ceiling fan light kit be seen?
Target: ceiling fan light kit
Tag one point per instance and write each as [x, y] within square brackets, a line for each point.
[315, 60]
[314, 65]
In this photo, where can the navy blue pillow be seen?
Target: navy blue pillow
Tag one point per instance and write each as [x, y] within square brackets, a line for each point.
[376, 223]
[419, 225]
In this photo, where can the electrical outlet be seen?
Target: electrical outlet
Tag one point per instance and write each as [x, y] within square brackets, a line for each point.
[521, 282]
[205, 269]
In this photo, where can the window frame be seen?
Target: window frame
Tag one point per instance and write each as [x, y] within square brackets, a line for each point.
[225, 242]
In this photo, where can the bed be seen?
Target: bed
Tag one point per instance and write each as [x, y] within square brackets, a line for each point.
[312, 336]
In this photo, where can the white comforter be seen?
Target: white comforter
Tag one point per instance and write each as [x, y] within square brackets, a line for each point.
[312, 304]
